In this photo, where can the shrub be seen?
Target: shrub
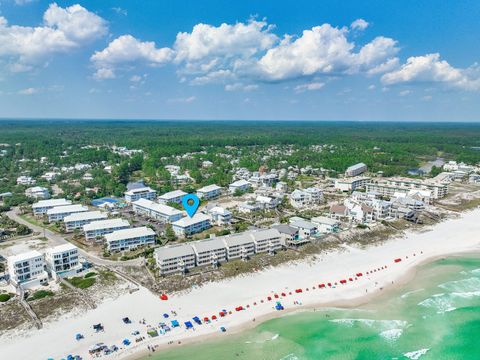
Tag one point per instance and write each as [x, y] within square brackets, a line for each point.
[5, 297]
[40, 294]
[81, 283]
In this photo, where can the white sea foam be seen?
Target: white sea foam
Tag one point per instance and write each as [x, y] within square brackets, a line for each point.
[442, 303]
[376, 324]
[391, 335]
[408, 293]
[476, 272]
[464, 285]
[415, 355]
[290, 357]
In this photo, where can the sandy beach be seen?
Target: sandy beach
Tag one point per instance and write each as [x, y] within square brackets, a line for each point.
[377, 264]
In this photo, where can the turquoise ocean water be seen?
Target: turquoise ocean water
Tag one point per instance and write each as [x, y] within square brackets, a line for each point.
[435, 316]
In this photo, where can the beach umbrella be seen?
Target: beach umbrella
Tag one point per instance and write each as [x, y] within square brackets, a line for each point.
[343, 281]
[298, 291]
[397, 260]
[321, 286]
[269, 298]
[350, 279]
[163, 297]
[214, 317]
[359, 274]
[165, 316]
[206, 318]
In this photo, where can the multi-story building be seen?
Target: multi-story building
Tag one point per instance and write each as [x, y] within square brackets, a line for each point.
[220, 216]
[306, 197]
[305, 228]
[38, 192]
[239, 185]
[209, 192]
[58, 213]
[140, 193]
[210, 251]
[164, 213]
[96, 230]
[239, 246]
[129, 239]
[325, 224]
[25, 180]
[356, 169]
[62, 261]
[175, 196]
[174, 258]
[268, 240]
[41, 207]
[351, 184]
[191, 225]
[77, 220]
[388, 187]
[27, 270]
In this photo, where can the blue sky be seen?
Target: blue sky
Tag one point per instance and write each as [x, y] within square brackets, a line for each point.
[325, 60]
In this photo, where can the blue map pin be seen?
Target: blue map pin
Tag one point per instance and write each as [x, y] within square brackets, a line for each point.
[190, 209]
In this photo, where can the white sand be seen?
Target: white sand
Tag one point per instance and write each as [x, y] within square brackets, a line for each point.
[57, 339]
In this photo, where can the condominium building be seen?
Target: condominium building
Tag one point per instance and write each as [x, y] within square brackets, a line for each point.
[191, 225]
[356, 169]
[129, 239]
[239, 185]
[27, 270]
[388, 187]
[268, 240]
[58, 213]
[209, 192]
[96, 230]
[38, 192]
[41, 207]
[351, 184]
[62, 261]
[140, 193]
[239, 246]
[174, 258]
[164, 213]
[210, 251]
[77, 220]
[175, 196]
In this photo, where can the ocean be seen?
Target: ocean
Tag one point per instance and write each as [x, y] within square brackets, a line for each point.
[435, 316]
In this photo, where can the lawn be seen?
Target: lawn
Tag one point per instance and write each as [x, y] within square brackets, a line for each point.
[40, 294]
[82, 283]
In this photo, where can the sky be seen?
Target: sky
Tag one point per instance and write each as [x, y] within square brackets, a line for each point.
[253, 60]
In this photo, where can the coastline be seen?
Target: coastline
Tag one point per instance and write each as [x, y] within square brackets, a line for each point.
[450, 238]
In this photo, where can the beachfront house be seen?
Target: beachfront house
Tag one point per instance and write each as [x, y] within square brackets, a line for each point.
[27, 270]
[307, 197]
[289, 235]
[239, 186]
[38, 192]
[77, 220]
[325, 224]
[174, 258]
[129, 239]
[305, 228]
[267, 202]
[338, 211]
[210, 251]
[191, 225]
[239, 246]
[41, 207]
[62, 261]
[96, 230]
[175, 196]
[58, 213]
[220, 216]
[161, 212]
[356, 169]
[140, 193]
[209, 192]
[249, 207]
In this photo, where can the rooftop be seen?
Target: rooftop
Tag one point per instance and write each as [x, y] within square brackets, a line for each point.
[24, 256]
[129, 233]
[173, 251]
[51, 202]
[208, 245]
[139, 190]
[62, 248]
[67, 209]
[173, 194]
[209, 188]
[105, 224]
[86, 215]
[187, 221]
[160, 208]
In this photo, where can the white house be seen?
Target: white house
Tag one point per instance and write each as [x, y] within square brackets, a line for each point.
[305, 228]
[175, 196]
[97, 229]
[267, 202]
[164, 213]
[356, 169]
[58, 213]
[325, 224]
[220, 216]
[38, 192]
[306, 197]
[27, 270]
[249, 207]
[49, 176]
[191, 225]
[25, 180]
[62, 261]
[239, 185]
[129, 239]
[140, 193]
[77, 220]
[41, 207]
[210, 251]
[209, 192]
[174, 258]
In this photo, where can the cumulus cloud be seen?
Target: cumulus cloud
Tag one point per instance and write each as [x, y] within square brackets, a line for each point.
[126, 50]
[431, 69]
[359, 24]
[63, 30]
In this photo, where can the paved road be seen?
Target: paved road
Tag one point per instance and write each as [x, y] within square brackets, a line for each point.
[57, 239]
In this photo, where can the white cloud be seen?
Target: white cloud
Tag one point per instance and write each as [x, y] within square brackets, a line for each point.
[127, 50]
[120, 11]
[64, 29]
[186, 100]
[28, 91]
[359, 24]
[404, 92]
[240, 86]
[23, 2]
[431, 69]
[371, 87]
[309, 87]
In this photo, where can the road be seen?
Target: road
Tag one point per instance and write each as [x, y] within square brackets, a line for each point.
[57, 239]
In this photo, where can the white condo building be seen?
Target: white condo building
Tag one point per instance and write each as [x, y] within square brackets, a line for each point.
[164, 213]
[58, 213]
[240, 185]
[239, 246]
[41, 207]
[140, 193]
[62, 261]
[210, 251]
[356, 169]
[38, 192]
[351, 184]
[174, 258]
[98, 229]
[191, 225]
[209, 192]
[389, 187]
[77, 220]
[175, 196]
[129, 239]
[27, 270]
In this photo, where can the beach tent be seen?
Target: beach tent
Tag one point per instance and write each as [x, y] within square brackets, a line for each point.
[275, 296]
[239, 308]
[98, 327]
[214, 317]
[126, 342]
[269, 298]
[197, 320]
[206, 319]
[222, 314]
[175, 323]
[350, 279]
[279, 306]
[188, 325]
[283, 294]
[126, 320]
[223, 329]
[79, 337]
